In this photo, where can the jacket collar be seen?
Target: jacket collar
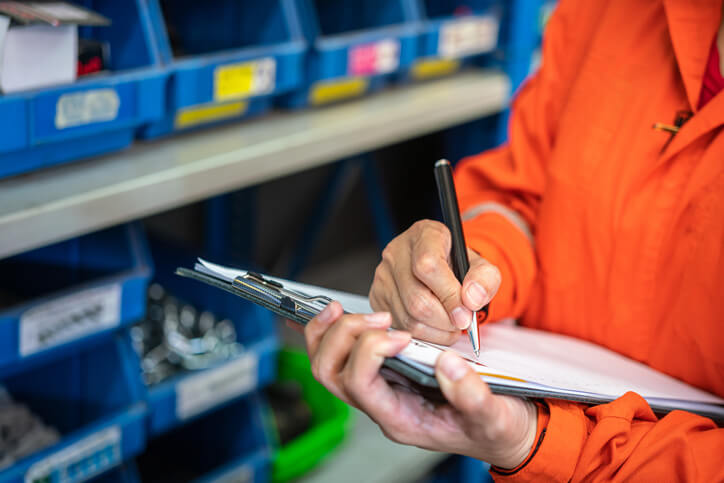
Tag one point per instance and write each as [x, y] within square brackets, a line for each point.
[692, 26]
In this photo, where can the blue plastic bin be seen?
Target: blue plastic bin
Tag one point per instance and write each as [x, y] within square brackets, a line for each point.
[454, 32]
[98, 113]
[126, 473]
[57, 298]
[92, 399]
[188, 395]
[355, 47]
[228, 58]
[230, 444]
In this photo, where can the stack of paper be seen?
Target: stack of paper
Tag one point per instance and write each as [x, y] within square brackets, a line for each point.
[520, 361]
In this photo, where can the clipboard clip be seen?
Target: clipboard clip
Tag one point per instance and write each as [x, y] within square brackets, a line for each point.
[275, 293]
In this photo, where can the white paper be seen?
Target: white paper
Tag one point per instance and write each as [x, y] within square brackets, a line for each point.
[531, 359]
[38, 56]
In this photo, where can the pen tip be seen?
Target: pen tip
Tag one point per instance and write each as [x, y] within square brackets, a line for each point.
[477, 353]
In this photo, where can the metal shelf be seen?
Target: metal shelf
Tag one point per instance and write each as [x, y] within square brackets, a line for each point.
[66, 201]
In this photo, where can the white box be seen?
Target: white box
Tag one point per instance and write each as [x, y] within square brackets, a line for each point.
[33, 56]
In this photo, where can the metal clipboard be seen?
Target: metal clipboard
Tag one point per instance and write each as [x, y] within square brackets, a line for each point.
[302, 308]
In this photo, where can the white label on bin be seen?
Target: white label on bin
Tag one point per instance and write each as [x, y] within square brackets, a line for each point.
[202, 391]
[81, 460]
[468, 36]
[376, 58]
[244, 79]
[242, 474]
[86, 107]
[68, 318]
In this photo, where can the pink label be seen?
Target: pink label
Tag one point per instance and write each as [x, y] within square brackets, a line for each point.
[375, 58]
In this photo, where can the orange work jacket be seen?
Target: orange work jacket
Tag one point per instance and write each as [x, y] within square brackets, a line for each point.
[608, 230]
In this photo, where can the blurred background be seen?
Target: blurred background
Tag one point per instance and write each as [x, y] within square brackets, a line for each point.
[291, 137]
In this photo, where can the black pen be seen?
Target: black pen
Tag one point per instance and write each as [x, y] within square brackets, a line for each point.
[459, 252]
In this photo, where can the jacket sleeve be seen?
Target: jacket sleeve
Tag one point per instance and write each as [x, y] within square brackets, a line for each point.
[621, 441]
[500, 190]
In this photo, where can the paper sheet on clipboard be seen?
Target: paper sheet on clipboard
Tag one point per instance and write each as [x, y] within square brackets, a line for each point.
[524, 358]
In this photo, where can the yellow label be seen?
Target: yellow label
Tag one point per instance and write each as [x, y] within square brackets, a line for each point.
[196, 115]
[426, 69]
[236, 81]
[330, 91]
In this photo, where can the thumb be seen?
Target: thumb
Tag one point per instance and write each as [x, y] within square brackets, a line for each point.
[464, 389]
[481, 283]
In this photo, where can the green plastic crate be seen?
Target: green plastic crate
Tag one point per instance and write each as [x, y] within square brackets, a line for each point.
[331, 421]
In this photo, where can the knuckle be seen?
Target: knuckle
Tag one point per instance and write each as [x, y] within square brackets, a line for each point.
[418, 306]
[325, 371]
[426, 265]
[388, 254]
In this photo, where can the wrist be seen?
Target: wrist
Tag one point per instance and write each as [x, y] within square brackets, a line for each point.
[525, 435]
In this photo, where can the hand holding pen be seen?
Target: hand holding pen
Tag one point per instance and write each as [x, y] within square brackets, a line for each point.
[416, 283]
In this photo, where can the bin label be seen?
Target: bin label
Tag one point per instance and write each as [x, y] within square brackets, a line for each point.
[324, 92]
[197, 393]
[205, 113]
[245, 79]
[379, 57]
[70, 317]
[435, 67]
[468, 36]
[81, 460]
[242, 474]
[86, 107]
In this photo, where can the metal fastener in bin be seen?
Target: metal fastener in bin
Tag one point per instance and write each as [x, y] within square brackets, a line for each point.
[175, 337]
[21, 432]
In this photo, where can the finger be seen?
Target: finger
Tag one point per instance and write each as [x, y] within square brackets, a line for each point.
[509, 423]
[361, 377]
[481, 282]
[316, 327]
[464, 389]
[401, 319]
[417, 300]
[430, 254]
[334, 349]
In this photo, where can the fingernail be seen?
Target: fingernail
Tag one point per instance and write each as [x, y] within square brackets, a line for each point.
[477, 294]
[452, 367]
[378, 318]
[461, 317]
[398, 335]
[326, 315]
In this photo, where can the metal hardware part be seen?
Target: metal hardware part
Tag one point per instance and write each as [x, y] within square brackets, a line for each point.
[176, 336]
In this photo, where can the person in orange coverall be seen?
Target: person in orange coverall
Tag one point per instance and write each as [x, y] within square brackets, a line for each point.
[590, 223]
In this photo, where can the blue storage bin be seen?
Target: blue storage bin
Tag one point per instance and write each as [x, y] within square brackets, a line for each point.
[187, 395]
[126, 473]
[98, 113]
[230, 444]
[92, 399]
[231, 58]
[455, 31]
[355, 47]
[57, 298]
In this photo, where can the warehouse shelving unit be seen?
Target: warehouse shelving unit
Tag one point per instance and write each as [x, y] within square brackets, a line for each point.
[71, 200]
[55, 205]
